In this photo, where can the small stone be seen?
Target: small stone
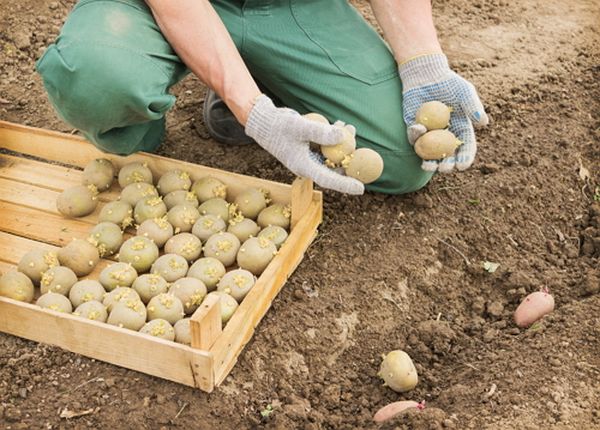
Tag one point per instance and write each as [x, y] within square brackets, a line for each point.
[53, 5]
[160, 399]
[23, 392]
[495, 309]
[489, 335]
[110, 382]
[22, 40]
[12, 414]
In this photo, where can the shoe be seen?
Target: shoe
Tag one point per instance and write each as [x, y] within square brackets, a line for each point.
[221, 123]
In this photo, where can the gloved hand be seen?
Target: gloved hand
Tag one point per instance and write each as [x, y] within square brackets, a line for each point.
[428, 78]
[286, 135]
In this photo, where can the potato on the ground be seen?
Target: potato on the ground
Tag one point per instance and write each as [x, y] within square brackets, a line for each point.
[85, 291]
[181, 197]
[237, 283]
[77, 201]
[149, 208]
[107, 237]
[209, 188]
[183, 217]
[534, 307]
[183, 333]
[191, 291]
[172, 181]
[92, 310]
[363, 164]
[207, 225]
[17, 286]
[117, 275]
[159, 328]
[251, 201]
[136, 192]
[56, 302]
[140, 252]
[243, 228]
[275, 234]
[58, 279]
[223, 247]
[120, 213]
[394, 409]
[158, 230]
[150, 285]
[276, 214]
[120, 294]
[255, 254]
[99, 173]
[135, 172]
[227, 304]
[209, 270]
[165, 306]
[129, 314]
[433, 115]
[216, 206]
[170, 266]
[80, 256]
[35, 262]
[398, 371]
[185, 244]
[436, 144]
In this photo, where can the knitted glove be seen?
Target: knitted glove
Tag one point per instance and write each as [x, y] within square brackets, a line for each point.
[286, 135]
[428, 78]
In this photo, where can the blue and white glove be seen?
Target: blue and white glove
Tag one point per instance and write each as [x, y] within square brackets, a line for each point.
[427, 78]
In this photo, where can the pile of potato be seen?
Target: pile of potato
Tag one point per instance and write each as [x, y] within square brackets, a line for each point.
[190, 242]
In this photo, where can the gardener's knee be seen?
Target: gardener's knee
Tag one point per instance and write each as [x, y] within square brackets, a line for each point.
[402, 172]
[113, 99]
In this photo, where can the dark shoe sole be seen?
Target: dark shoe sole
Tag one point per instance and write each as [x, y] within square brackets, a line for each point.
[221, 123]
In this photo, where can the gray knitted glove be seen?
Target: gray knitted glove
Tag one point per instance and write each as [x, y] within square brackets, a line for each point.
[427, 78]
[286, 135]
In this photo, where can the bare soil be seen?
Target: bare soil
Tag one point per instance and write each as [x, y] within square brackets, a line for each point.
[387, 272]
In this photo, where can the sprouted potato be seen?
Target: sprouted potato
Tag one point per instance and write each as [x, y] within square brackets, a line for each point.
[170, 266]
[120, 213]
[107, 237]
[56, 302]
[209, 188]
[223, 247]
[363, 164]
[185, 244]
[159, 230]
[251, 201]
[100, 173]
[398, 371]
[92, 310]
[159, 328]
[183, 333]
[165, 306]
[216, 206]
[77, 201]
[117, 275]
[80, 256]
[433, 115]
[237, 283]
[191, 292]
[58, 279]
[36, 262]
[17, 286]
[150, 285]
[118, 295]
[136, 192]
[181, 197]
[86, 290]
[129, 314]
[149, 208]
[209, 270]
[276, 214]
[436, 144]
[174, 180]
[140, 252]
[227, 304]
[207, 225]
[183, 217]
[255, 254]
[243, 228]
[135, 172]
[275, 234]
[335, 154]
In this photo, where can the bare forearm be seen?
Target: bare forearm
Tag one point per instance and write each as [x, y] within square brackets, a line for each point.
[407, 26]
[202, 42]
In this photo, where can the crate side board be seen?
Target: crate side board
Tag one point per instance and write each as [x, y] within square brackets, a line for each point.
[125, 348]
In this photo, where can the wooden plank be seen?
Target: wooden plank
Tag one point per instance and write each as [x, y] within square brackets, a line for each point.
[6, 267]
[77, 151]
[205, 324]
[240, 328]
[302, 195]
[126, 348]
[45, 175]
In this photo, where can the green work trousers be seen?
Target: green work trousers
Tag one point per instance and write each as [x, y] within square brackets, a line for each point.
[110, 70]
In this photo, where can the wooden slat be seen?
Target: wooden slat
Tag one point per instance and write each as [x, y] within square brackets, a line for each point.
[77, 151]
[205, 324]
[240, 328]
[302, 195]
[126, 348]
[6, 267]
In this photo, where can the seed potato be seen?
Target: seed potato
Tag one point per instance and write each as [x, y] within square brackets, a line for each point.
[396, 408]
[117, 275]
[227, 304]
[58, 279]
[183, 333]
[99, 173]
[255, 254]
[107, 237]
[533, 308]
[92, 310]
[159, 328]
[129, 314]
[223, 247]
[181, 197]
[183, 218]
[276, 214]
[185, 244]
[207, 225]
[118, 295]
[86, 290]
[436, 144]
[251, 201]
[157, 230]
[77, 201]
[140, 252]
[216, 206]
[433, 115]
[134, 193]
[165, 306]
[35, 262]
[209, 270]
[275, 234]
[174, 180]
[120, 213]
[56, 302]
[237, 283]
[364, 164]
[335, 154]
[398, 371]
[170, 266]
[80, 256]
[191, 292]
[149, 208]
[150, 285]
[135, 172]
[243, 228]
[209, 188]
[17, 286]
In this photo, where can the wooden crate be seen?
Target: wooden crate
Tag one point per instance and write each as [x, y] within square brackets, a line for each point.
[29, 219]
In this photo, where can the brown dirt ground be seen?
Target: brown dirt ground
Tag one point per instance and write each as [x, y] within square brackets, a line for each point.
[388, 270]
